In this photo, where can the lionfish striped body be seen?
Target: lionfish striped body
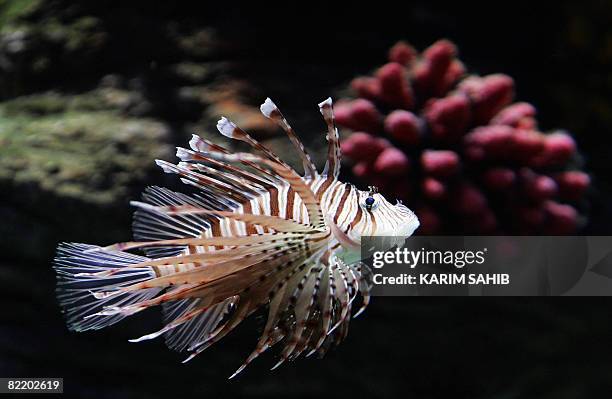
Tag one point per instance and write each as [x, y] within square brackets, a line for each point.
[257, 234]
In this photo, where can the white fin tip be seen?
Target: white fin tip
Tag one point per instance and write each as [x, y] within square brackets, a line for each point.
[167, 167]
[149, 336]
[143, 205]
[327, 101]
[195, 142]
[226, 127]
[268, 107]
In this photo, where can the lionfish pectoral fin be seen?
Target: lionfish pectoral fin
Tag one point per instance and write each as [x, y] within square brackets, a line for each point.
[243, 309]
[304, 299]
[343, 296]
[324, 302]
[365, 287]
[262, 344]
[281, 297]
[197, 328]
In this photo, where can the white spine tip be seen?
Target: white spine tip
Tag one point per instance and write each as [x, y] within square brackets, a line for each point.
[188, 359]
[359, 312]
[148, 336]
[326, 102]
[234, 375]
[166, 166]
[142, 205]
[226, 127]
[268, 107]
[183, 154]
[277, 365]
[194, 142]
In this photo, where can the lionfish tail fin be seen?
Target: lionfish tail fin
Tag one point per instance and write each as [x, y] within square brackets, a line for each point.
[271, 111]
[332, 166]
[91, 282]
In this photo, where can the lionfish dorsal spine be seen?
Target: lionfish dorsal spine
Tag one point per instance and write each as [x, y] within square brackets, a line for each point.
[271, 111]
[332, 166]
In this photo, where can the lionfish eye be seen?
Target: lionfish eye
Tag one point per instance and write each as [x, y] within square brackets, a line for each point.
[369, 202]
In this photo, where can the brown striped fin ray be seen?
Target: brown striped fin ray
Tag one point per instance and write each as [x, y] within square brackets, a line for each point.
[189, 313]
[365, 286]
[315, 215]
[260, 180]
[342, 295]
[271, 111]
[279, 302]
[207, 183]
[254, 278]
[351, 280]
[213, 271]
[332, 166]
[236, 317]
[206, 147]
[325, 301]
[278, 295]
[208, 258]
[304, 298]
[314, 326]
[273, 222]
[263, 343]
[233, 179]
[252, 239]
[230, 130]
[195, 329]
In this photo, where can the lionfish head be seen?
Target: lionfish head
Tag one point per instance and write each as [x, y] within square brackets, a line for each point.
[382, 218]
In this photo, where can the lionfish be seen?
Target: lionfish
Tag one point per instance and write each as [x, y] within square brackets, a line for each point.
[255, 235]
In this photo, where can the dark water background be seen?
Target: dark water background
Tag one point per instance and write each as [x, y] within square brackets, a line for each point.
[560, 55]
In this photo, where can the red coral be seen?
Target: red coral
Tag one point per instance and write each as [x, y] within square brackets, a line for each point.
[363, 146]
[395, 89]
[481, 164]
[440, 163]
[448, 117]
[498, 179]
[392, 162]
[517, 115]
[402, 53]
[404, 126]
[572, 184]
[488, 94]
